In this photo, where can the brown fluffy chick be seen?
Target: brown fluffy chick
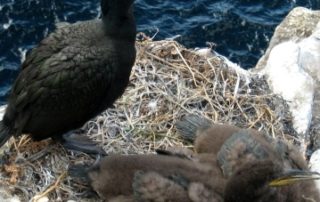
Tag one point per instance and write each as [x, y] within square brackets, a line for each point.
[250, 161]
[233, 145]
[153, 178]
[267, 180]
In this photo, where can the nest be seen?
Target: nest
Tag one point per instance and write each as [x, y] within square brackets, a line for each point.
[167, 82]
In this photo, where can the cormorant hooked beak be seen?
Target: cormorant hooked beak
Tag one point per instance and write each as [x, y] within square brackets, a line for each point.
[293, 176]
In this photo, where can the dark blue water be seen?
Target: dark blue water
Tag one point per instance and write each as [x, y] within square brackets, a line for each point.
[240, 28]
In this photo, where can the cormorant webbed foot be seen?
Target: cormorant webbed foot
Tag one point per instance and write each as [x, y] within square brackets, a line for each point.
[81, 143]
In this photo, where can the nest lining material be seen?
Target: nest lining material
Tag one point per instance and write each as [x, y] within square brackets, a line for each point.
[167, 82]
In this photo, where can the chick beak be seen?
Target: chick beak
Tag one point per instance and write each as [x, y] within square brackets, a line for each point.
[293, 176]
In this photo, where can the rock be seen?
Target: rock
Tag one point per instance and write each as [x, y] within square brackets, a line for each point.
[287, 77]
[314, 164]
[298, 24]
[310, 60]
[292, 63]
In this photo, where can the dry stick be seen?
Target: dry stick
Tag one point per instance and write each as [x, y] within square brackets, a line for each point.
[271, 114]
[39, 154]
[176, 103]
[212, 67]
[242, 110]
[15, 145]
[256, 121]
[273, 133]
[185, 62]
[24, 140]
[207, 96]
[51, 188]
[128, 118]
[161, 60]
[225, 84]
[236, 88]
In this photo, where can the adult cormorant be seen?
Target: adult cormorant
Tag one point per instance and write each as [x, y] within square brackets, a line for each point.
[253, 163]
[71, 76]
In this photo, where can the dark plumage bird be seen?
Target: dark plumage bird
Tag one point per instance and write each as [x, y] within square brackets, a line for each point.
[72, 75]
[152, 178]
[253, 163]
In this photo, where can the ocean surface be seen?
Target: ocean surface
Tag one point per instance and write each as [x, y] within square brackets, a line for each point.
[240, 28]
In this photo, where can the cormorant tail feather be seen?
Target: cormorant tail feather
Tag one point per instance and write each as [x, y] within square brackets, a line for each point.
[190, 124]
[4, 133]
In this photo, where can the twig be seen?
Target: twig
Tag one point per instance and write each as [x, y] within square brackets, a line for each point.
[50, 189]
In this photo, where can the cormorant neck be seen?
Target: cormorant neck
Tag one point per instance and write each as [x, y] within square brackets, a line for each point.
[120, 25]
[250, 182]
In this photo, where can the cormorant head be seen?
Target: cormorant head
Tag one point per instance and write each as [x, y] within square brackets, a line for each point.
[263, 181]
[293, 176]
[116, 7]
[118, 18]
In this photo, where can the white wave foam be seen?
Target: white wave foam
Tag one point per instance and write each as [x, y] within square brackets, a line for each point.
[7, 25]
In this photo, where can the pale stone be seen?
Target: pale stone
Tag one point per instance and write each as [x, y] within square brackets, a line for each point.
[292, 64]
[314, 165]
[299, 24]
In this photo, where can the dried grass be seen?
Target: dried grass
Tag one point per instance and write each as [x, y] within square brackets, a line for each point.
[167, 82]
